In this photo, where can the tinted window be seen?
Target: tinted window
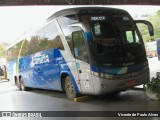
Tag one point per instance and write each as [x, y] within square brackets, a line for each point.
[33, 44]
[103, 29]
[12, 53]
[51, 38]
[24, 51]
[67, 31]
[46, 38]
[80, 47]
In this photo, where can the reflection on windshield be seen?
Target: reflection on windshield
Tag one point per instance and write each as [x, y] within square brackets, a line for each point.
[106, 42]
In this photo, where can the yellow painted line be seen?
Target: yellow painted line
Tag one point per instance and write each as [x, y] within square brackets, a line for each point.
[81, 99]
[19, 56]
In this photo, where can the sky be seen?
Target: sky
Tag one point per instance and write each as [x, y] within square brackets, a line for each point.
[15, 21]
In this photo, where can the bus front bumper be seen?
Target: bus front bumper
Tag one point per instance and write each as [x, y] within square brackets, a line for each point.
[103, 86]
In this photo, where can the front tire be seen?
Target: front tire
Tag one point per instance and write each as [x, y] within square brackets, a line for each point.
[70, 89]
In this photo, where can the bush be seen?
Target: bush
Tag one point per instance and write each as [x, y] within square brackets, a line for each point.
[154, 86]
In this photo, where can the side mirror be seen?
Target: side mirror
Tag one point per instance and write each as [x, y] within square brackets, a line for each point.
[150, 26]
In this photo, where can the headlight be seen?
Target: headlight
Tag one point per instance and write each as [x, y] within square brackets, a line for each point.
[95, 73]
[102, 75]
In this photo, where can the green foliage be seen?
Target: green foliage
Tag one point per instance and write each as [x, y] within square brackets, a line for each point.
[144, 32]
[2, 50]
[155, 20]
[158, 13]
[154, 86]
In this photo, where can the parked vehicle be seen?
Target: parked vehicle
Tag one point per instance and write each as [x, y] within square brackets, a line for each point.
[82, 50]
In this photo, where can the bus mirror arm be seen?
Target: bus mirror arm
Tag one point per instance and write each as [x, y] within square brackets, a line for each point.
[150, 26]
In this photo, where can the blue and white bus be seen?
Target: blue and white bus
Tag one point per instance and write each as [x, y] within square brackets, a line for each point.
[82, 50]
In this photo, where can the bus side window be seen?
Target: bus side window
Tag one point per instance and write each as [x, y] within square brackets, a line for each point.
[52, 37]
[46, 38]
[67, 31]
[80, 50]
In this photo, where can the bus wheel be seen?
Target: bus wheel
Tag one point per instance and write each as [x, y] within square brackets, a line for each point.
[22, 86]
[69, 88]
[17, 83]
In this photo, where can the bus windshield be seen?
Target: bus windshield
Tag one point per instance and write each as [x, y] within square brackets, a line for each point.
[116, 41]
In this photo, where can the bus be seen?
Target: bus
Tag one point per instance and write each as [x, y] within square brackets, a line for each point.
[81, 50]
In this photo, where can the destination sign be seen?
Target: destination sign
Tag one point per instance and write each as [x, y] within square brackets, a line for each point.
[98, 18]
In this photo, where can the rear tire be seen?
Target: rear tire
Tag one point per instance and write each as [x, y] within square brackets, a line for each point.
[70, 89]
[22, 86]
[17, 83]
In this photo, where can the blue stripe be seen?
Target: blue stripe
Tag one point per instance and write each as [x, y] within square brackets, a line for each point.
[88, 36]
[120, 70]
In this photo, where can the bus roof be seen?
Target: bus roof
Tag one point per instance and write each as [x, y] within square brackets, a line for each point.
[89, 10]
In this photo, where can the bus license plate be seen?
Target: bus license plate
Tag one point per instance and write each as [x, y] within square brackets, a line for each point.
[130, 83]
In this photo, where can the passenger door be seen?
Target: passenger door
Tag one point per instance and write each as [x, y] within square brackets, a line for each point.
[82, 62]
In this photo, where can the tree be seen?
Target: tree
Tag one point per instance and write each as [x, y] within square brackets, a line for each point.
[2, 50]
[158, 13]
[155, 20]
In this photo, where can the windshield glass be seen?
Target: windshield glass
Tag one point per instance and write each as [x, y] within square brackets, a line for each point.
[115, 40]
